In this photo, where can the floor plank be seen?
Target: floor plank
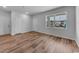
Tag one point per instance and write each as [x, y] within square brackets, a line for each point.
[34, 42]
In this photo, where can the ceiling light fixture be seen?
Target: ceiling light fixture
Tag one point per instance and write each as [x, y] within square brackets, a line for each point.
[4, 6]
[26, 12]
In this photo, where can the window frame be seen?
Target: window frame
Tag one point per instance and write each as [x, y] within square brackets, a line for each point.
[61, 13]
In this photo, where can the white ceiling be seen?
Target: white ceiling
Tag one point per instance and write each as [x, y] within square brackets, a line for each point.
[29, 9]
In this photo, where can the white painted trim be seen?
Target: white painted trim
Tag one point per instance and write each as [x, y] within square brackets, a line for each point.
[54, 35]
[13, 33]
[77, 43]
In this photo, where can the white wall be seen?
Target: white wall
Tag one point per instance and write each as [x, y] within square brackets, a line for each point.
[5, 18]
[39, 23]
[20, 23]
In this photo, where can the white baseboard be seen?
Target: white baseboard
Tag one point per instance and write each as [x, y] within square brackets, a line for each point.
[12, 34]
[77, 43]
[19, 32]
[55, 35]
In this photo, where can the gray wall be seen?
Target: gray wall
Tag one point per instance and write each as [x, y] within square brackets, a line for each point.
[5, 24]
[39, 23]
[77, 25]
[20, 23]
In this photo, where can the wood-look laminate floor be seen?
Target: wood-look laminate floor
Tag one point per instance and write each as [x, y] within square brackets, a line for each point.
[34, 42]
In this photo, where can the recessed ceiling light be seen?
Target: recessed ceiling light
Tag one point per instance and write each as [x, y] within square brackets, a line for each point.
[26, 12]
[4, 6]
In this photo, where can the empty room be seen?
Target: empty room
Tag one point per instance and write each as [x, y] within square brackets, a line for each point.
[39, 29]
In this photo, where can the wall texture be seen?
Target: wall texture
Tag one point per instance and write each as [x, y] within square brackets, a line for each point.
[20, 23]
[39, 23]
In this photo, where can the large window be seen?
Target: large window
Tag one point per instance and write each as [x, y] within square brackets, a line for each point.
[57, 20]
